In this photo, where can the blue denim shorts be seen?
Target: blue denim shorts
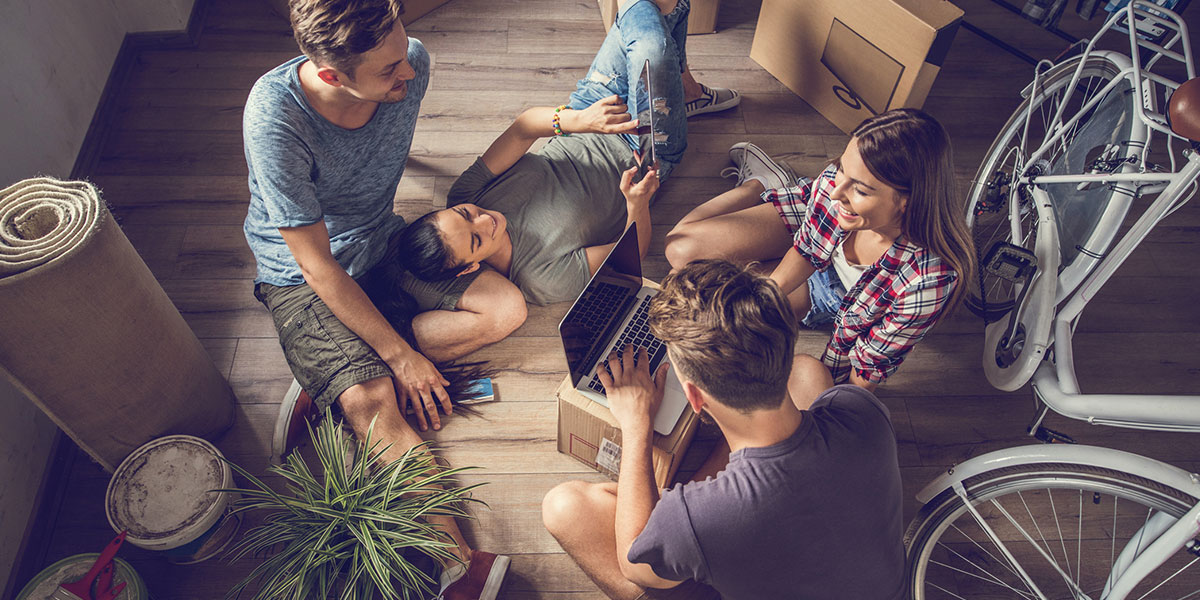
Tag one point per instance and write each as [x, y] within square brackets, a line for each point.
[826, 292]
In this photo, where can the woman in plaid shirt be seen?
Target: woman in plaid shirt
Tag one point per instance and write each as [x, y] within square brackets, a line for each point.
[876, 245]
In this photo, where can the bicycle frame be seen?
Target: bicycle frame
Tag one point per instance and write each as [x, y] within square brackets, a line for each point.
[1049, 355]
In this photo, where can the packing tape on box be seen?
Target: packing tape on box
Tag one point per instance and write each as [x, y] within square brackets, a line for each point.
[87, 333]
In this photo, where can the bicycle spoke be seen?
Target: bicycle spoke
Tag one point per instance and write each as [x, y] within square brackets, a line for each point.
[1079, 542]
[996, 560]
[1049, 559]
[991, 580]
[1033, 520]
[1025, 578]
[1170, 577]
[944, 590]
[1058, 527]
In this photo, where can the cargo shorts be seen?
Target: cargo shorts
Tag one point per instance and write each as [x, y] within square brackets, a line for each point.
[325, 356]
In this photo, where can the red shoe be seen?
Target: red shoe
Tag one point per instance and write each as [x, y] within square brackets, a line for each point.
[479, 581]
[295, 412]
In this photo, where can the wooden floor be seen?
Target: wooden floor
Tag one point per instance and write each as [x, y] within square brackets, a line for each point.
[174, 172]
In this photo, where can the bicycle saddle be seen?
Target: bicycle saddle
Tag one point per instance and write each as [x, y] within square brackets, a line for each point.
[1183, 110]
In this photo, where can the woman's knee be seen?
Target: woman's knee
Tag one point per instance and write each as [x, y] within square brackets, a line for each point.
[682, 246]
[500, 301]
[809, 378]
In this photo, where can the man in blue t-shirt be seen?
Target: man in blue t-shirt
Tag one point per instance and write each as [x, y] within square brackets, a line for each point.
[808, 504]
[327, 136]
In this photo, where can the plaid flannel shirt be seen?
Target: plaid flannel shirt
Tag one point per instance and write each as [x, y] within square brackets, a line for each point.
[894, 302]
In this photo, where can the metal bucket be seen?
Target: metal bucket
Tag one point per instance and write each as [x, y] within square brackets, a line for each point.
[163, 495]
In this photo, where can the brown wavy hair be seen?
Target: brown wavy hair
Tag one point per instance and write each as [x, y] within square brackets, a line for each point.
[910, 151]
[337, 33]
[729, 330]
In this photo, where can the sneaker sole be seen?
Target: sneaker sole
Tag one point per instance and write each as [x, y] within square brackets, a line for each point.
[279, 437]
[491, 587]
[717, 106]
[784, 174]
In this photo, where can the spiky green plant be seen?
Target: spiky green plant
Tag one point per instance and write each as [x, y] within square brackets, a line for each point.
[354, 529]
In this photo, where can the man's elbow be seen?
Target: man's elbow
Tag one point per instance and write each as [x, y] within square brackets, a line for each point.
[643, 575]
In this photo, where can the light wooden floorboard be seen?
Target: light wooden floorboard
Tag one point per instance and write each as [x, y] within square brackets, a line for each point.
[174, 171]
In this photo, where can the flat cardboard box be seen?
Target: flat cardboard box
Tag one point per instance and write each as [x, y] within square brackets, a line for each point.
[854, 59]
[701, 19]
[588, 432]
[413, 9]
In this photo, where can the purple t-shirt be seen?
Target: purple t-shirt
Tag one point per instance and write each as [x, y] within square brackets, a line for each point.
[817, 515]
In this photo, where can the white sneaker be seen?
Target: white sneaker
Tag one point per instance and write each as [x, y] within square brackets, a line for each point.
[712, 100]
[753, 163]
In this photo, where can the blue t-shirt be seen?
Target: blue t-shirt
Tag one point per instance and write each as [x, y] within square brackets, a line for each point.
[304, 169]
[816, 516]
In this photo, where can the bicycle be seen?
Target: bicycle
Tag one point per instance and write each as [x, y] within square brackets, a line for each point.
[1045, 209]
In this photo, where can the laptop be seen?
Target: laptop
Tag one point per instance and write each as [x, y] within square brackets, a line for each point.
[609, 314]
[645, 115]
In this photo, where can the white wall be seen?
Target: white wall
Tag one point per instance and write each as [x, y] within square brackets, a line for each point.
[24, 449]
[57, 57]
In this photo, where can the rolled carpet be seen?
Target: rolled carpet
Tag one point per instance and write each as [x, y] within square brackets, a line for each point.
[87, 333]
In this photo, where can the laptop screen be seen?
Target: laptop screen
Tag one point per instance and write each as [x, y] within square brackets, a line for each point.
[602, 305]
[645, 115]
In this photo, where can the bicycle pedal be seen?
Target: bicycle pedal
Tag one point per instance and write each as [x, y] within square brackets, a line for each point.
[1010, 263]
[1050, 436]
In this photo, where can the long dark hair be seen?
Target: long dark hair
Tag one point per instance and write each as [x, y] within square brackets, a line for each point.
[423, 252]
[382, 285]
[910, 151]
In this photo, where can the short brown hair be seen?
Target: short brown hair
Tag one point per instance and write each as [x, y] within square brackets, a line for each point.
[337, 33]
[729, 330]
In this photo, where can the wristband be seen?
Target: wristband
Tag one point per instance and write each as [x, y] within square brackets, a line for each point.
[556, 122]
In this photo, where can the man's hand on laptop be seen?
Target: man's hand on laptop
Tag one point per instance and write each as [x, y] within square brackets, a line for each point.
[633, 396]
[420, 385]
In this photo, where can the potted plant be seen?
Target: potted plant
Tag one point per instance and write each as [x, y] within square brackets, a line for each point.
[354, 528]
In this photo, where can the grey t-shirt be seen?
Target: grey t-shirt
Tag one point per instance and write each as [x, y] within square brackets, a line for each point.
[558, 201]
[817, 516]
[304, 169]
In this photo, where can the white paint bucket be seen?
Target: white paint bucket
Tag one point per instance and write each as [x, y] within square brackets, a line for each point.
[72, 568]
[163, 495]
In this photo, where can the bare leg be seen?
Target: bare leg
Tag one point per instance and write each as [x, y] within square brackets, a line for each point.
[691, 87]
[735, 226]
[490, 309]
[809, 379]
[361, 403]
[582, 517]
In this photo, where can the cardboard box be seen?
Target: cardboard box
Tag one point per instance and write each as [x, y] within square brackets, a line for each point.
[701, 19]
[852, 60]
[413, 9]
[588, 432]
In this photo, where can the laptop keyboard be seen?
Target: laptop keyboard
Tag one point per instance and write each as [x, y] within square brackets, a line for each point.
[637, 334]
[593, 310]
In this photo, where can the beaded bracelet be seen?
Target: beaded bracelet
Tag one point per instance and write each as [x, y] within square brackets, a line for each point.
[556, 122]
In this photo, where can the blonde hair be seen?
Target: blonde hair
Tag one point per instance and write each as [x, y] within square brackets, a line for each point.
[336, 33]
[729, 330]
[910, 151]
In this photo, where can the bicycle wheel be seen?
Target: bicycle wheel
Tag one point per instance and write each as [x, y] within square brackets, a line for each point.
[1000, 211]
[1080, 520]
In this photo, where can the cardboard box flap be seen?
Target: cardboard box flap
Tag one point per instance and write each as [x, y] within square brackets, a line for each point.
[934, 13]
[850, 60]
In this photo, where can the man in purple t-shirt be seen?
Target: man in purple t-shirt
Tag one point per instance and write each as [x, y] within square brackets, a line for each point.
[809, 502]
